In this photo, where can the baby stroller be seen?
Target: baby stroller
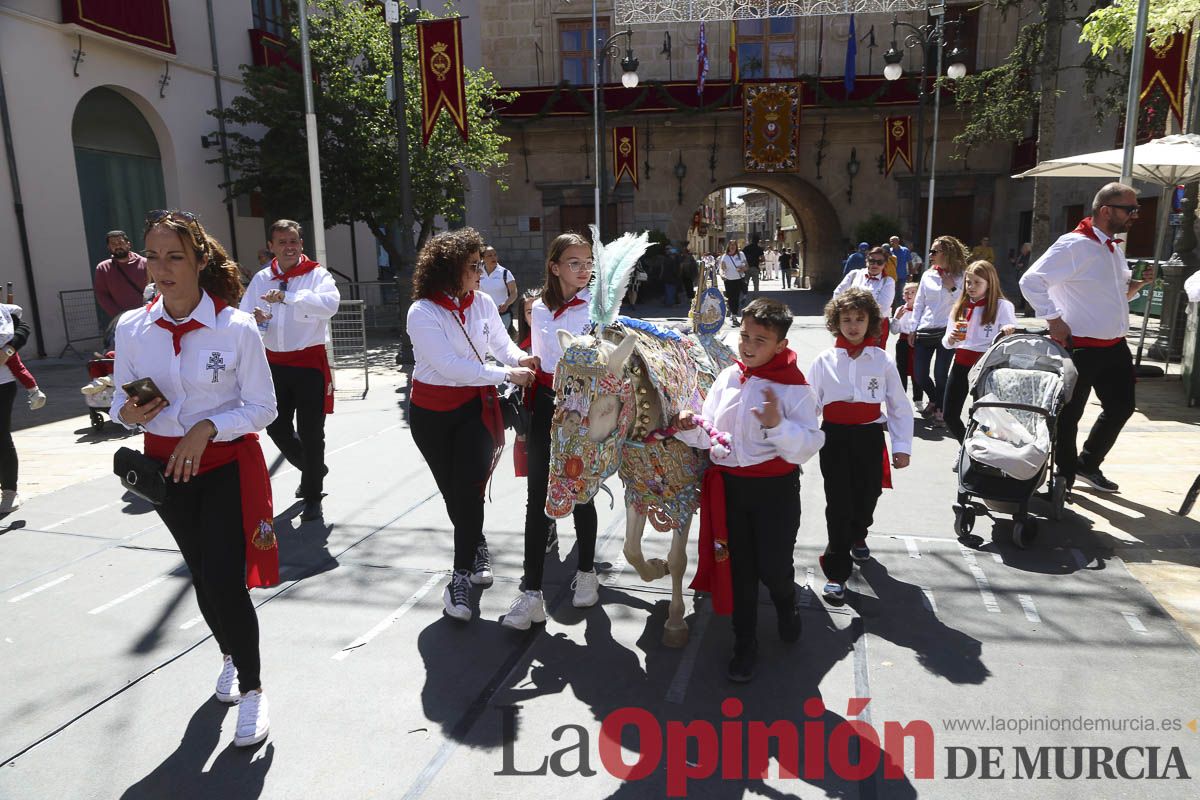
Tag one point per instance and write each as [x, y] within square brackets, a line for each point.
[1018, 389]
[98, 395]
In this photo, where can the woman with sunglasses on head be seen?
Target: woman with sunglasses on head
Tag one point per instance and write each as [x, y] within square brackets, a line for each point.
[206, 358]
[454, 412]
[563, 306]
[937, 292]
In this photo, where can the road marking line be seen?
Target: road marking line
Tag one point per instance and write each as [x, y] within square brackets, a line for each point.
[927, 599]
[144, 587]
[615, 570]
[1135, 624]
[41, 588]
[806, 591]
[386, 623]
[981, 581]
[80, 516]
[193, 622]
[683, 673]
[913, 550]
[997, 558]
[1031, 612]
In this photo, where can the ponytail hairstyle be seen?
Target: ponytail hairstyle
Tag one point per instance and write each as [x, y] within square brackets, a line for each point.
[986, 272]
[552, 293]
[219, 275]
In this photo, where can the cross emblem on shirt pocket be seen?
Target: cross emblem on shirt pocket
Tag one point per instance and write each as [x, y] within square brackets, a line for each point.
[216, 365]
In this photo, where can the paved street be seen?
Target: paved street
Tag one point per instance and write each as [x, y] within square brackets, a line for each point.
[109, 669]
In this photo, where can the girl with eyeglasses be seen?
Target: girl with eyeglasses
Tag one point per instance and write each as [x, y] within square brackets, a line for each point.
[563, 306]
[939, 288]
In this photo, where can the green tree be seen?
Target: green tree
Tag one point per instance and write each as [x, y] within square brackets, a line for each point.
[876, 230]
[351, 50]
[1113, 27]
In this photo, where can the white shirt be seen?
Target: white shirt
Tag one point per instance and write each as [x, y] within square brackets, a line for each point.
[544, 340]
[730, 265]
[980, 334]
[7, 329]
[302, 319]
[220, 374]
[443, 356]
[883, 288]
[796, 438]
[934, 301]
[904, 324]
[870, 378]
[1078, 280]
[496, 284]
[772, 259]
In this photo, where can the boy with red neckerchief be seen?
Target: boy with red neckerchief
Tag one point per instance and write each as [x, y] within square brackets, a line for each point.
[750, 500]
[859, 391]
[292, 299]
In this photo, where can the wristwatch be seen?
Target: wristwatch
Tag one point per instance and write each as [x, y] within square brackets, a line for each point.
[9, 350]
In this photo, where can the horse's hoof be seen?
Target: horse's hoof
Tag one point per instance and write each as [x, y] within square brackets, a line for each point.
[675, 637]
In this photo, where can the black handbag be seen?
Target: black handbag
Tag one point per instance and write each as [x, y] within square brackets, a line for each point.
[931, 337]
[513, 408]
[141, 475]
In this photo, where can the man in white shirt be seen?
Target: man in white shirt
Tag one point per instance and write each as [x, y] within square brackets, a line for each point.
[293, 299]
[498, 283]
[1081, 286]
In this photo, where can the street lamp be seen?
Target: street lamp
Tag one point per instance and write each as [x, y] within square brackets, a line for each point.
[629, 79]
[680, 174]
[852, 167]
[924, 36]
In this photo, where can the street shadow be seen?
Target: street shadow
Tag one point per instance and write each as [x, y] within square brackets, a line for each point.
[234, 775]
[303, 546]
[15, 525]
[154, 632]
[135, 505]
[1158, 534]
[111, 431]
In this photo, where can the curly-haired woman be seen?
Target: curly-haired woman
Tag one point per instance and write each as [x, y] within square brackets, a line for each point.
[454, 413]
[940, 287]
[206, 358]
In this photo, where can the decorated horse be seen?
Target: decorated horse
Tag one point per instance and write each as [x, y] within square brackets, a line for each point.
[616, 390]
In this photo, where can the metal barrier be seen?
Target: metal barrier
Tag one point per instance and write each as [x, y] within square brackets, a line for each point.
[348, 337]
[81, 318]
[380, 307]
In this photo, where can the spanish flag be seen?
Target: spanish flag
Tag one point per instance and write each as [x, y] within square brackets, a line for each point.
[733, 58]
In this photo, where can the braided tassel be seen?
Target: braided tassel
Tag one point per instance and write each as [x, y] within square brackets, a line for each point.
[720, 442]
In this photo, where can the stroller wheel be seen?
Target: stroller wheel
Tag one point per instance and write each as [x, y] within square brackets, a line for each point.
[96, 420]
[1024, 532]
[964, 521]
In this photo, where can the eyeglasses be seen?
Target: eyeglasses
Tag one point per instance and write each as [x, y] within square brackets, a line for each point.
[1130, 210]
[876, 261]
[576, 265]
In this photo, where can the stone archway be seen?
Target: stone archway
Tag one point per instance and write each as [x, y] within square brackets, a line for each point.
[822, 230]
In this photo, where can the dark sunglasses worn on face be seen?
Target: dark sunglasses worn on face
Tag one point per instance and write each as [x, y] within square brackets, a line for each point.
[1131, 210]
[876, 261]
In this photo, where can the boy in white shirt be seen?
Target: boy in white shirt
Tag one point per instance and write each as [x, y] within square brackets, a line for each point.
[750, 499]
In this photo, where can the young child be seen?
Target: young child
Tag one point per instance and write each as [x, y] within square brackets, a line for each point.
[36, 397]
[975, 319]
[854, 383]
[750, 500]
[904, 323]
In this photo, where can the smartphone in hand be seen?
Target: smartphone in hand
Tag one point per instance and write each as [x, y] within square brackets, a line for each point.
[144, 390]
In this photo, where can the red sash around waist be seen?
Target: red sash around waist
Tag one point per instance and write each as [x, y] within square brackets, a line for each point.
[713, 573]
[314, 357]
[968, 358]
[545, 379]
[1087, 341]
[432, 397]
[841, 412]
[258, 519]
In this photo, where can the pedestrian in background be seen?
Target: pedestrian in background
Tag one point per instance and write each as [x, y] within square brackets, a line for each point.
[753, 254]
[733, 271]
[499, 284]
[856, 260]
[938, 290]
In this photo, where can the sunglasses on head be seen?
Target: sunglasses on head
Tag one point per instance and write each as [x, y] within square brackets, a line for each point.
[158, 215]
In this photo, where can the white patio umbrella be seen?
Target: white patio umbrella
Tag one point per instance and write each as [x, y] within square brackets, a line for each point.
[1164, 162]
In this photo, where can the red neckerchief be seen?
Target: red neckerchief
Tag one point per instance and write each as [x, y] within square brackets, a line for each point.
[780, 369]
[1087, 229]
[971, 306]
[852, 350]
[304, 266]
[458, 307]
[871, 277]
[574, 301]
[178, 331]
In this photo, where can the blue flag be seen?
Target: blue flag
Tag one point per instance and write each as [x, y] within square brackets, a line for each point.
[851, 55]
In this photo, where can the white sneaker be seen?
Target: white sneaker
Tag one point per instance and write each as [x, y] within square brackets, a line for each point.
[481, 572]
[525, 610]
[227, 681]
[95, 387]
[9, 500]
[253, 721]
[457, 596]
[587, 589]
[37, 398]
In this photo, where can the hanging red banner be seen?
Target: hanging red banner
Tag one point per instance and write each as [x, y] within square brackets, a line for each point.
[1166, 66]
[440, 52]
[897, 136]
[624, 154]
[141, 22]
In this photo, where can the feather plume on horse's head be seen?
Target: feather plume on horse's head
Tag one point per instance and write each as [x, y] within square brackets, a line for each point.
[615, 262]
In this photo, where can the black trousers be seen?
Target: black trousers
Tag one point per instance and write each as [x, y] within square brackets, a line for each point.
[934, 386]
[8, 451]
[763, 517]
[752, 277]
[537, 524]
[300, 393]
[956, 397]
[458, 449]
[1108, 370]
[852, 467]
[903, 348]
[733, 295]
[204, 516]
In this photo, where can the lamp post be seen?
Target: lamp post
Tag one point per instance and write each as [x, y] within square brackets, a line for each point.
[852, 167]
[629, 79]
[680, 174]
[924, 36]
